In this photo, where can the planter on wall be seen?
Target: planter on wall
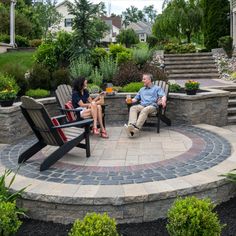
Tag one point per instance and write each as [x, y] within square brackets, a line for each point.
[6, 103]
[191, 92]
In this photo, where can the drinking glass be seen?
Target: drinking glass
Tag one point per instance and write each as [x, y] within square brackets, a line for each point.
[128, 99]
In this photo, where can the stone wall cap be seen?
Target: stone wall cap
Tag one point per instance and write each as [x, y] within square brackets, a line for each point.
[202, 95]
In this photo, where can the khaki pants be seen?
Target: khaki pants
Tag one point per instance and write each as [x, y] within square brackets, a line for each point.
[138, 114]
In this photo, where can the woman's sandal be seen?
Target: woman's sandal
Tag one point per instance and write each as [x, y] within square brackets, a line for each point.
[104, 134]
[95, 131]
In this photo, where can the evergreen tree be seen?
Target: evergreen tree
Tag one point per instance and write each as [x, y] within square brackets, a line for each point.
[216, 21]
[87, 25]
[127, 37]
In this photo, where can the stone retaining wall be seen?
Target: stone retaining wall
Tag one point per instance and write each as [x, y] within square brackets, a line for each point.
[207, 107]
[13, 125]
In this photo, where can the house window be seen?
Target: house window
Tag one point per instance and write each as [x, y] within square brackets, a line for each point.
[142, 35]
[68, 22]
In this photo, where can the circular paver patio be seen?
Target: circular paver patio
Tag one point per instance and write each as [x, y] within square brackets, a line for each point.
[175, 152]
[133, 179]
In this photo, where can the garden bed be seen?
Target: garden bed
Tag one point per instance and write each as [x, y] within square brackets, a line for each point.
[226, 212]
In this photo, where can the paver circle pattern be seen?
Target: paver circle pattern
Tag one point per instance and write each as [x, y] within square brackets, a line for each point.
[207, 150]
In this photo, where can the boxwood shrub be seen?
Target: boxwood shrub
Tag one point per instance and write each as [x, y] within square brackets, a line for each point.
[94, 224]
[192, 216]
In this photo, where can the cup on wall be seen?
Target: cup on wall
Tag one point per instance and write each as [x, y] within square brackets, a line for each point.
[128, 99]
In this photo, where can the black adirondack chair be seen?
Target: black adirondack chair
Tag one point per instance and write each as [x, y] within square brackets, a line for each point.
[160, 112]
[49, 131]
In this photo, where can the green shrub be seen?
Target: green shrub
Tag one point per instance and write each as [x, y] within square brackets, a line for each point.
[94, 224]
[97, 54]
[171, 48]
[8, 87]
[157, 73]
[5, 194]
[132, 87]
[96, 77]
[39, 77]
[45, 55]
[93, 88]
[192, 216]
[226, 43]
[62, 45]
[20, 41]
[80, 67]
[38, 93]
[174, 88]
[127, 73]
[35, 43]
[117, 88]
[123, 57]
[187, 48]
[128, 37]
[108, 68]
[174, 48]
[114, 49]
[60, 76]
[18, 72]
[152, 41]
[141, 55]
[9, 222]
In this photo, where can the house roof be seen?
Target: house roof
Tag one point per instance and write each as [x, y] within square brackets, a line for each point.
[116, 20]
[141, 27]
[62, 3]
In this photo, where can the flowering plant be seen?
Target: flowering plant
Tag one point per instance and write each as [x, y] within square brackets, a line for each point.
[192, 85]
[8, 87]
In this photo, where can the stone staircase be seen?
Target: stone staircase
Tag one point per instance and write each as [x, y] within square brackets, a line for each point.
[232, 104]
[191, 66]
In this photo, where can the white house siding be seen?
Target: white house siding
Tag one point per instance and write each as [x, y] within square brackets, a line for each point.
[62, 9]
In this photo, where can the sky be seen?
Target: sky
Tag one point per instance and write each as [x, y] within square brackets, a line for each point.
[117, 6]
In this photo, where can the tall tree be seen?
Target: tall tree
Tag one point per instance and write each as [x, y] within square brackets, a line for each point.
[132, 14]
[150, 13]
[216, 21]
[179, 19]
[47, 15]
[87, 25]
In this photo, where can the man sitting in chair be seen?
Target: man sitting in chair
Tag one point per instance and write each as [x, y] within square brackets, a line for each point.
[150, 96]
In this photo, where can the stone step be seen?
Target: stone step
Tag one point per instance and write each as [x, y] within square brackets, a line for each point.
[188, 58]
[231, 110]
[231, 119]
[189, 54]
[232, 95]
[193, 66]
[195, 76]
[177, 62]
[231, 88]
[190, 71]
[232, 102]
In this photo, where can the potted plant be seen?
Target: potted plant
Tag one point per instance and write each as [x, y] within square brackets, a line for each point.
[8, 90]
[191, 87]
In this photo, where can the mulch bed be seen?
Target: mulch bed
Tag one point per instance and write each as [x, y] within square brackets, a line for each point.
[226, 212]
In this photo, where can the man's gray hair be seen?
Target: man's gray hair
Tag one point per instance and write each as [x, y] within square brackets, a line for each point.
[149, 75]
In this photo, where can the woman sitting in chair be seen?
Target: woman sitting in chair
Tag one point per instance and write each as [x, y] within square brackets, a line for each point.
[90, 107]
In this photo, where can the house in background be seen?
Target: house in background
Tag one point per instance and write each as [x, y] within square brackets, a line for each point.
[114, 23]
[233, 20]
[66, 22]
[142, 29]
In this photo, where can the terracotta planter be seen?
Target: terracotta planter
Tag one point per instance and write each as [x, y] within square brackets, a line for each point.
[6, 103]
[191, 92]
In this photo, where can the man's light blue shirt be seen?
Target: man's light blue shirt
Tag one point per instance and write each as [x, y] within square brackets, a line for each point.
[149, 95]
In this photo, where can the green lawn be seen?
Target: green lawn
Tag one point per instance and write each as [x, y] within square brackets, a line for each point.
[23, 59]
